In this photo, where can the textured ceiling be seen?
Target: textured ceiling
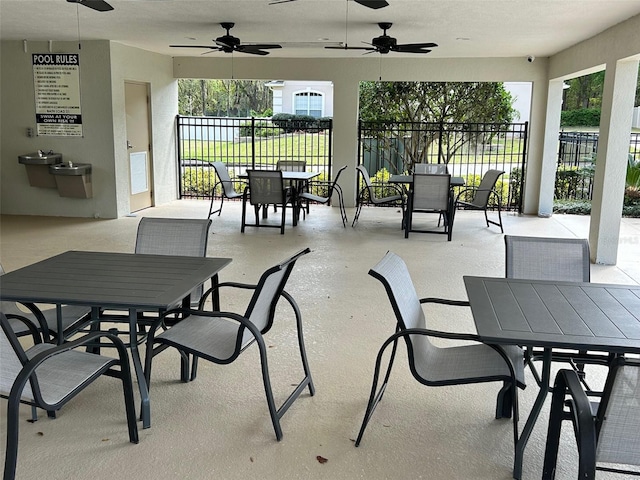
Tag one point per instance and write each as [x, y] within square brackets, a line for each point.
[462, 28]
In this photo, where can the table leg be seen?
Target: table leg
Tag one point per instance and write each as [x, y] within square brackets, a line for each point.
[145, 408]
[533, 415]
[59, 323]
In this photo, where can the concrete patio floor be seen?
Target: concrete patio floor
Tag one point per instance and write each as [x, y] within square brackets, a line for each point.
[218, 426]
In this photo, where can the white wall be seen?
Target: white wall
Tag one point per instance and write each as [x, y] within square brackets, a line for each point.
[104, 67]
[95, 147]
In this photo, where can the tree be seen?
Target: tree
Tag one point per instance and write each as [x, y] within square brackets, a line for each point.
[222, 97]
[452, 105]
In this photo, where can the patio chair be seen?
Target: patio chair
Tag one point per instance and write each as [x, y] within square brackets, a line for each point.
[174, 236]
[325, 192]
[167, 236]
[48, 376]
[481, 196]
[228, 190]
[431, 193]
[433, 168]
[607, 431]
[367, 193]
[265, 188]
[294, 166]
[220, 337]
[74, 317]
[433, 365]
[559, 259]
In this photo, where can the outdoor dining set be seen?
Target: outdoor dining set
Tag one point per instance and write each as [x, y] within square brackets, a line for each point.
[167, 295]
[428, 188]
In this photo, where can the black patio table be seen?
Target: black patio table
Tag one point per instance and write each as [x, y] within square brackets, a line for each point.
[554, 315]
[121, 281]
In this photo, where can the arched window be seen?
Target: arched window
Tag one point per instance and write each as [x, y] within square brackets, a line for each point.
[308, 103]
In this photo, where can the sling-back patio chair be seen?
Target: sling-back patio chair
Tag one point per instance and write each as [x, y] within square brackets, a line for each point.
[433, 365]
[220, 337]
[482, 194]
[607, 431]
[228, 189]
[433, 168]
[325, 191]
[74, 317]
[266, 187]
[431, 193]
[48, 376]
[368, 194]
[558, 259]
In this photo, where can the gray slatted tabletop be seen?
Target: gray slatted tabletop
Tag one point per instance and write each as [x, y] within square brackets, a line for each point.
[583, 316]
[112, 281]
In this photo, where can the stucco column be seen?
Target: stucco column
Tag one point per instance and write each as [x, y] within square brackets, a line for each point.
[550, 148]
[611, 164]
[345, 134]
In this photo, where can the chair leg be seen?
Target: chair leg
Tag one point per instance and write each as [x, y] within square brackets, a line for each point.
[129, 402]
[11, 449]
[376, 395]
[303, 352]
[271, 404]
[357, 215]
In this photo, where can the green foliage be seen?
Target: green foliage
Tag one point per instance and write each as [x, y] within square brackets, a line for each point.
[584, 92]
[515, 185]
[261, 128]
[300, 123]
[198, 181]
[633, 172]
[448, 103]
[232, 98]
[573, 182]
[584, 117]
[572, 207]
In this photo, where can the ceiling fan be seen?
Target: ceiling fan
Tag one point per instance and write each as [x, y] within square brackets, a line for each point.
[375, 4]
[99, 5]
[229, 44]
[385, 44]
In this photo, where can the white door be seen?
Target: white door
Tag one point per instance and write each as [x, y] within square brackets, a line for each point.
[139, 145]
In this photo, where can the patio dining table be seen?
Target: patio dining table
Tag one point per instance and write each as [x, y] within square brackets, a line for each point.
[120, 281]
[554, 315]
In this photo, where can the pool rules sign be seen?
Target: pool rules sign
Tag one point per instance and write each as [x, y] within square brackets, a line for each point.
[56, 78]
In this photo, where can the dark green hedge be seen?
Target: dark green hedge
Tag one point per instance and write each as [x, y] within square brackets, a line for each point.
[585, 117]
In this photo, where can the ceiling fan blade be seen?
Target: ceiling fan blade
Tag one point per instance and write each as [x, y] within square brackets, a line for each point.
[417, 45]
[261, 46]
[345, 47]
[409, 49]
[98, 5]
[375, 4]
[211, 47]
[250, 49]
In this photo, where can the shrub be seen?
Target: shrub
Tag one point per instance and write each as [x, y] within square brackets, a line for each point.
[584, 117]
[259, 128]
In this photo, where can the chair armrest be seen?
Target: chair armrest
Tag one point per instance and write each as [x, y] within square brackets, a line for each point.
[91, 339]
[444, 301]
[33, 330]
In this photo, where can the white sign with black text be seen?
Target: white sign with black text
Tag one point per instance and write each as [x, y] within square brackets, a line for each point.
[56, 78]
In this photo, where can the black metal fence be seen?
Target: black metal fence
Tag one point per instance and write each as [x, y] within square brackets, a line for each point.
[576, 163]
[468, 150]
[243, 143]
